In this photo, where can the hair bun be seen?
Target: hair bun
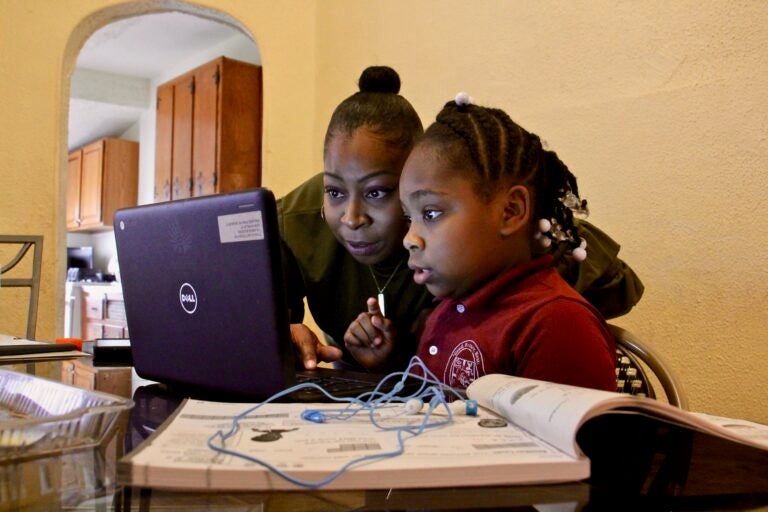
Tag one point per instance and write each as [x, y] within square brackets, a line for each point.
[379, 79]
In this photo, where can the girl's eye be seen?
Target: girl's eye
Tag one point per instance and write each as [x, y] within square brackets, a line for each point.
[430, 214]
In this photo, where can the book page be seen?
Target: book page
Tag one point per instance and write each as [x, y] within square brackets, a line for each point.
[552, 411]
[555, 412]
[480, 450]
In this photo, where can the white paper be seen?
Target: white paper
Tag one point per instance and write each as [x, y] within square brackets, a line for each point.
[463, 452]
[556, 411]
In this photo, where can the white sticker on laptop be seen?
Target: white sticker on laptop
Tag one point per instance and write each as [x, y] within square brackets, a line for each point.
[241, 227]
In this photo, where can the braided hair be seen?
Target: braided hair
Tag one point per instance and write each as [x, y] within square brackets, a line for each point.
[496, 151]
[378, 107]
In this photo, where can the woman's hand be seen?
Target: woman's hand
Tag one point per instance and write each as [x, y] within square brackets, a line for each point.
[310, 348]
[370, 338]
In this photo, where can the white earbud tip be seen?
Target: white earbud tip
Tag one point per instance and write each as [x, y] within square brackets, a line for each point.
[413, 406]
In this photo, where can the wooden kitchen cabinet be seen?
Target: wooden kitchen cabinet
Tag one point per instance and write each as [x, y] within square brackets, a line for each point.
[103, 312]
[83, 374]
[102, 177]
[208, 137]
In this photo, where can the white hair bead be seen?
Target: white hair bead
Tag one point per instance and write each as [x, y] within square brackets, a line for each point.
[579, 254]
[544, 225]
[463, 99]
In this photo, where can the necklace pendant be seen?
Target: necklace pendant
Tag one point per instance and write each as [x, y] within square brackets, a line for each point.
[382, 288]
[381, 304]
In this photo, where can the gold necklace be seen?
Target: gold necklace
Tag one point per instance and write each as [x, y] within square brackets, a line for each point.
[381, 289]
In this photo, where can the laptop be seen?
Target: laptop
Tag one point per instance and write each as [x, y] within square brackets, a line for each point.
[205, 302]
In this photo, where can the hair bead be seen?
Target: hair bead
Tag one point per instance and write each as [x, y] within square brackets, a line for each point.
[463, 99]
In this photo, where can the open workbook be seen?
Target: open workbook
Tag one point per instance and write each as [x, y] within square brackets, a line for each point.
[526, 432]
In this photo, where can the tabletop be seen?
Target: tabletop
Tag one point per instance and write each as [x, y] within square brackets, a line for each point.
[675, 469]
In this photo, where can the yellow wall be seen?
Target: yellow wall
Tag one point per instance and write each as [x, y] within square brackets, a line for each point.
[658, 107]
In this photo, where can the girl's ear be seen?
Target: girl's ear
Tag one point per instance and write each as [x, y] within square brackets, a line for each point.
[517, 210]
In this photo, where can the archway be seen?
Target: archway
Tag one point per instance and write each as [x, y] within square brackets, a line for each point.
[104, 99]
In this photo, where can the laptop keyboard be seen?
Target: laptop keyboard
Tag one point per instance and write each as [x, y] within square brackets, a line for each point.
[337, 385]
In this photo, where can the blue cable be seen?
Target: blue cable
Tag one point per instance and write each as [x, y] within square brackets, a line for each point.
[370, 401]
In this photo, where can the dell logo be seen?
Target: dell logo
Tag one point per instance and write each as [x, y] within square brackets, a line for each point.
[188, 298]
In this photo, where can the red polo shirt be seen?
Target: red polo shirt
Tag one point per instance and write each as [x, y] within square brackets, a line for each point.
[527, 322]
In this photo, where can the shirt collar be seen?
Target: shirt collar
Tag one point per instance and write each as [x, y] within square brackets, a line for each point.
[501, 283]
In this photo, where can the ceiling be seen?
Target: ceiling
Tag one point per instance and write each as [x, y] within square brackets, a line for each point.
[110, 85]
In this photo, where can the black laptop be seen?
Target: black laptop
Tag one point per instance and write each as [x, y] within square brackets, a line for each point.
[205, 301]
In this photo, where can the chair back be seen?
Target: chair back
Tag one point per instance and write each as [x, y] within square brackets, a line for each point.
[638, 365]
[32, 282]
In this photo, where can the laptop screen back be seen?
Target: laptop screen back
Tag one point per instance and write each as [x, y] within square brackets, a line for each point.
[204, 296]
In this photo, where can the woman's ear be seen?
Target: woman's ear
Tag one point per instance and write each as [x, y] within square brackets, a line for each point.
[517, 210]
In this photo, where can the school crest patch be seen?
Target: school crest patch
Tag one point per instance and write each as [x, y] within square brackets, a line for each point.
[465, 365]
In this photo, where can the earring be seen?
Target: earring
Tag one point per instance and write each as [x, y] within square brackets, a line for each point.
[322, 212]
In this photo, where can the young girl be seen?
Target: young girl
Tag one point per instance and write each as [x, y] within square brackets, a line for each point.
[482, 195]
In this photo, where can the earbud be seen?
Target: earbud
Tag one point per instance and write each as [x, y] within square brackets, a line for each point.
[413, 406]
[457, 407]
[465, 407]
[313, 415]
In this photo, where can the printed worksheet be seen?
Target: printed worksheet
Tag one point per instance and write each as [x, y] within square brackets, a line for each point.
[275, 438]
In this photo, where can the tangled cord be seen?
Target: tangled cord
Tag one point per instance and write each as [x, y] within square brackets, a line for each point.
[430, 391]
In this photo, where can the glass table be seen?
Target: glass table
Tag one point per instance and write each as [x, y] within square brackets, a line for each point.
[682, 471]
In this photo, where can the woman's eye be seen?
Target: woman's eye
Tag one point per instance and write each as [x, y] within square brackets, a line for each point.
[407, 218]
[430, 215]
[378, 193]
[333, 193]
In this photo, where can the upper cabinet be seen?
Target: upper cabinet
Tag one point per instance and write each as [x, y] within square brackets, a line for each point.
[209, 131]
[102, 177]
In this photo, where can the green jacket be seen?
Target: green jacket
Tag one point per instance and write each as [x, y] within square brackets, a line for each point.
[336, 286]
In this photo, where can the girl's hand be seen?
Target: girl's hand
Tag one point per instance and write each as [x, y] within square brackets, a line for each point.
[370, 338]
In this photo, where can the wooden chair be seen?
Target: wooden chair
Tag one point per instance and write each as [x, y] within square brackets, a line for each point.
[638, 366]
[33, 283]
